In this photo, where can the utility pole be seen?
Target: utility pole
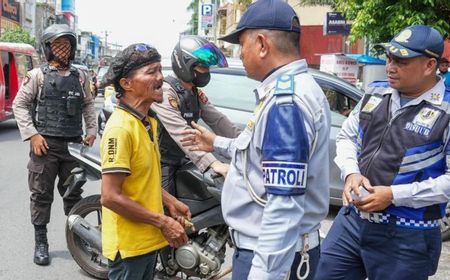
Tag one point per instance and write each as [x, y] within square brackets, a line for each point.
[105, 49]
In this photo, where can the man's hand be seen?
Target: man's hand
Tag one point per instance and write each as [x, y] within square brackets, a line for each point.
[179, 209]
[220, 168]
[89, 140]
[39, 145]
[173, 232]
[379, 198]
[352, 183]
[198, 138]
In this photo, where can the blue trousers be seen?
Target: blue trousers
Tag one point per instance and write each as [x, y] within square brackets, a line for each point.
[134, 268]
[242, 263]
[356, 249]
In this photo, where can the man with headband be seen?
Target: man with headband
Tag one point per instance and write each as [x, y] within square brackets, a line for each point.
[184, 102]
[49, 108]
[134, 226]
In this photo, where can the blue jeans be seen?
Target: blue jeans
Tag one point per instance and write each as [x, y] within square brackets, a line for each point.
[134, 268]
[356, 249]
[242, 263]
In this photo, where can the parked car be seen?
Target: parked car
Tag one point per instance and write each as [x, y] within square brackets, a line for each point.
[232, 93]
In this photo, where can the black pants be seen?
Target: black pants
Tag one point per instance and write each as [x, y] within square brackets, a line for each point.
[42, 172]
[168, 177]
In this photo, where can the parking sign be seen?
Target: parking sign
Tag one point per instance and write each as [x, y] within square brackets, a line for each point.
[207, 9]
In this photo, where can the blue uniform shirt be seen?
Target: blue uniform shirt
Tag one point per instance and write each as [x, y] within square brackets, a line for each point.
[286, 142]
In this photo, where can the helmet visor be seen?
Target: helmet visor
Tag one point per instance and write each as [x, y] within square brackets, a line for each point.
[209, 55]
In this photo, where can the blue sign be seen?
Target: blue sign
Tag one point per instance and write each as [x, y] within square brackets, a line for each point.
[207, 9]
[336, 23]
[68, 6]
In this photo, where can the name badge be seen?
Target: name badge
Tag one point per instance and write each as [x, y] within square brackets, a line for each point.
[423, 122]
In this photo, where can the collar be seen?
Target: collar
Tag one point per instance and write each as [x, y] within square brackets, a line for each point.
[435, 95]
[271, 71]
[267, 85]
[126, 107]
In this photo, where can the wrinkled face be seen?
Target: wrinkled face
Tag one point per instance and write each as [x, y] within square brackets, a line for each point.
[146, 82]
[407, 75]
[61, 49]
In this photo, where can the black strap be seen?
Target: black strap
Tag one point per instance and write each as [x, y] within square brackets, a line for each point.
[175, 84]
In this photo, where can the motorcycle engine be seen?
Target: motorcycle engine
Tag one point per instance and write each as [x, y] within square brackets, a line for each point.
[204, 255]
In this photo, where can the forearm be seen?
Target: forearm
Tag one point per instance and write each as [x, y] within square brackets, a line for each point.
[167, 198]
[90, 118]
[175, 124]
[224, 146]
[132, 210]
[421, 194]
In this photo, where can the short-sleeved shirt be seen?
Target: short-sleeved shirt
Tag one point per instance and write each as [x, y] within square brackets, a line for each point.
[126, 147]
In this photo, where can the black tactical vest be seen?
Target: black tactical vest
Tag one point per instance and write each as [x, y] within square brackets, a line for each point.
[58, 111]
[389, 145]
[189, 107]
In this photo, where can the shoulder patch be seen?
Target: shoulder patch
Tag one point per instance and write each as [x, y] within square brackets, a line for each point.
[371, 104]
[285, 85]
[173, 102]
[202, 96]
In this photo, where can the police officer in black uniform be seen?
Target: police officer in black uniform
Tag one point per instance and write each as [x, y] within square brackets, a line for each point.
[185, 102]
[49, 108]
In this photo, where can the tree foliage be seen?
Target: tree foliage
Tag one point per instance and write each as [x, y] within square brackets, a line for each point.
[17, 35]
[193, 23]
[317, 2]
[380, 20]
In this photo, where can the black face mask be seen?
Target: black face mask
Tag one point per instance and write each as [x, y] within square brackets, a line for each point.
[201, 79]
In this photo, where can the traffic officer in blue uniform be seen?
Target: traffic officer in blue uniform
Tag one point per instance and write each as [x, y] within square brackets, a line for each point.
[393, 154]
[277, 190]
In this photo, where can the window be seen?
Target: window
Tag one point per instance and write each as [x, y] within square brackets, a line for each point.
[231, 91]
[339, 103]
[5, 59]
[24, 64]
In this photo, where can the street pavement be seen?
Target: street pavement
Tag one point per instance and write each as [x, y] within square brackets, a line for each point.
[17, 235]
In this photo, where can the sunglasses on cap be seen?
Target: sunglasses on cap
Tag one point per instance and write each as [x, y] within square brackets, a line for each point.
[143, 47]
[209, 55]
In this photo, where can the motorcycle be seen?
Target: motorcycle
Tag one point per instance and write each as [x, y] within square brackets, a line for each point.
[201, 257]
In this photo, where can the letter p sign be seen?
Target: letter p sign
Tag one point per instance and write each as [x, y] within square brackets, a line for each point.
[207, 9]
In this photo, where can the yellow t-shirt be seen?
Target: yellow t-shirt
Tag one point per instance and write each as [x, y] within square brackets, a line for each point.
[126, 147]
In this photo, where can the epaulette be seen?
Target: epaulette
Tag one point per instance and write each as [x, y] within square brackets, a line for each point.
[379, 88]
[285, 85]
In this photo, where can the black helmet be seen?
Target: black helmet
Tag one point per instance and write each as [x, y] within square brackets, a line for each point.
[191, 51]
[55, 31]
